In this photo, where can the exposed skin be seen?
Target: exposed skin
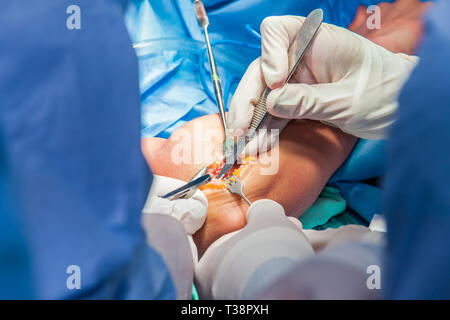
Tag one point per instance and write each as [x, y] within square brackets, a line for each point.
[309, 153]
[401, 25]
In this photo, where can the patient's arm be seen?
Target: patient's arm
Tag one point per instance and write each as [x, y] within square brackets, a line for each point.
[309, 153]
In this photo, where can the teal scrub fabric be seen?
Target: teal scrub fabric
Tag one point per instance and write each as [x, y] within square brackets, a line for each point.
[329, 204]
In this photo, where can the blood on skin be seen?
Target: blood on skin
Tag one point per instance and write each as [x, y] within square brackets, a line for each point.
[215, 168]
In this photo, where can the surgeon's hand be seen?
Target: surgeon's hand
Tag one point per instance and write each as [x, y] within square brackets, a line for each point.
[241, 112]
[190, 212]
[344, 80]
[324, 239]
[239, 264]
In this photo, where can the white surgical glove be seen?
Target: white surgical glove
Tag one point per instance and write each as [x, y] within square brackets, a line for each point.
[241, 265]
[169, 225]
[190, 212]
[241, 112]
[344, 80]
[324, 239]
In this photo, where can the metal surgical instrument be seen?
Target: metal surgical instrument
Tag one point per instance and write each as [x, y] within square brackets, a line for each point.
[204, 23]
[296, 52]
[187, 190]
[235, 186]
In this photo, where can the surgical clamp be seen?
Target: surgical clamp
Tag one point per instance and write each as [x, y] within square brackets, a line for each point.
[187, 190]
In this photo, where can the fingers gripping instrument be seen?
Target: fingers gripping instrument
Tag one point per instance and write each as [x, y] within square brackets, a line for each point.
[296, 51]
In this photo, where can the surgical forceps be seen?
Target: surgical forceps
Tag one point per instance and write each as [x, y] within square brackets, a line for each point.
[296, 52]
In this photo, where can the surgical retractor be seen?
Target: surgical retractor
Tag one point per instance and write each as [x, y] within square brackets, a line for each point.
[235, 186]
[204, 23]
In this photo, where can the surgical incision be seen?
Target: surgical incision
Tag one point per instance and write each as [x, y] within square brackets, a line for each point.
[216, 166]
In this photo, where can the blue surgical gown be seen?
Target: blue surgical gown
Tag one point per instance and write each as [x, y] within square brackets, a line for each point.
[15, 277]
[417, 185]
[70, 133]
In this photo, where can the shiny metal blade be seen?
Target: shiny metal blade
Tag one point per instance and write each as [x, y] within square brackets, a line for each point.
[227, 146]
[175, 194]
[231, 157]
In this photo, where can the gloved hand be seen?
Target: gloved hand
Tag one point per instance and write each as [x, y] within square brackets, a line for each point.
[344, 80]
[190, 212]
[172, 238]
[324, 239]
[239, 265]
[241, 112]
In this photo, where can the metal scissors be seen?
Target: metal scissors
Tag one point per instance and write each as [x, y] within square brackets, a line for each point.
[296, 52]
[187, 190]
